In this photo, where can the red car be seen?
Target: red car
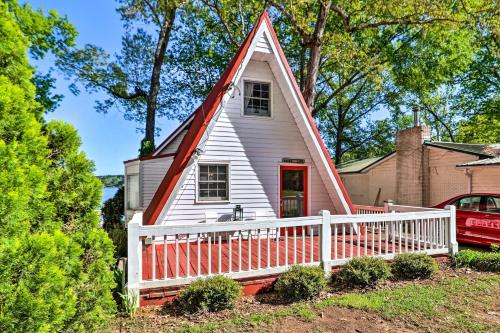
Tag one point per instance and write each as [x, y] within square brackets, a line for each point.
[478, 218]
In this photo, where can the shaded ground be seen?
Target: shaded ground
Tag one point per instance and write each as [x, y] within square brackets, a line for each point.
[452, 301]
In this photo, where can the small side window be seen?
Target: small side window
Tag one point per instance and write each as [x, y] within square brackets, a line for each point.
[469, 203]
[132, 191]
[492, 204]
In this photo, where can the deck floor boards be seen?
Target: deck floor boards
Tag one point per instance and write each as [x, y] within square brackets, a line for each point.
[303, 254]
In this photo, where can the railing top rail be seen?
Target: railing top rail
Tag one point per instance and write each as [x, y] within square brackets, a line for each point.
[404, 208]
[340, 219]
[157, 230]
[365, 207]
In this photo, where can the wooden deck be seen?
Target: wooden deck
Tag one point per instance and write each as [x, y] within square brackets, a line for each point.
[271, 252]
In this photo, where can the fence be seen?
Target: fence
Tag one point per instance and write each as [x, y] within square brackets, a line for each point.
[169, 255]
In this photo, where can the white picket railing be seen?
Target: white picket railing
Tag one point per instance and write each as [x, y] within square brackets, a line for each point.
[169, 255]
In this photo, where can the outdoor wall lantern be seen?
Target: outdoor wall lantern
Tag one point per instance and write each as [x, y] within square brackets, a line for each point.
[238, 213]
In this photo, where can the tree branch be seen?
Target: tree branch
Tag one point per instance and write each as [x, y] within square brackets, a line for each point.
[217, 10]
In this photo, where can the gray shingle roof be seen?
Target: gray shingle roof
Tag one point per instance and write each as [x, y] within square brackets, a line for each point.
[359, 165]
[481, 150]
[486, 161]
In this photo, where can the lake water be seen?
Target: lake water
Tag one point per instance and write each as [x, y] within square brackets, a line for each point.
[108, 193]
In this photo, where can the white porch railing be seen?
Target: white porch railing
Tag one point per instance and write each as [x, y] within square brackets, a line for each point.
[169, 255]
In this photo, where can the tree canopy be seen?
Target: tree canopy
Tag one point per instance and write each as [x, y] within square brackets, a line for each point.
[352, 59]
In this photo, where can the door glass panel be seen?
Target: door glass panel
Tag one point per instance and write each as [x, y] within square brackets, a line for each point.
[492, 204]
[469, 203]
[292, 204]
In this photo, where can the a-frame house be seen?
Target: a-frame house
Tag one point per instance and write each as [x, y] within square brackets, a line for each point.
[252, 144]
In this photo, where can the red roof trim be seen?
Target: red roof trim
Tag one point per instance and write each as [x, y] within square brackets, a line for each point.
[203, 116]
[308, 113]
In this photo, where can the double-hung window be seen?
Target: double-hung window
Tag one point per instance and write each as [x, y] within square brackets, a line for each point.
[213, 182]
[257, 101]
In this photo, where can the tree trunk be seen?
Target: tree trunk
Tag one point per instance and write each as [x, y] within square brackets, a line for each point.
[338, 145]
[315, 44]
[302, 65]
[154, 87]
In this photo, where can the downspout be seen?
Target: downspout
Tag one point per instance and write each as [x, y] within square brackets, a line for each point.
[468, 173]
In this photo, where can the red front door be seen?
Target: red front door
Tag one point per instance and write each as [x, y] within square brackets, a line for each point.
[293, 191]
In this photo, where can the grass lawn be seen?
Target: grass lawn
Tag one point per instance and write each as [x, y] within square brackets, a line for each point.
[448, 303]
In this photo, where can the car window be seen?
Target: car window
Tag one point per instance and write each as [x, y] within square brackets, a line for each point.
[492, 204]
[469, 203]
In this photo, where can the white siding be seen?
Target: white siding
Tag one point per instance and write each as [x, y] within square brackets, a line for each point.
[255, 148]
[152, 173]
[263, 45]
[174, 144]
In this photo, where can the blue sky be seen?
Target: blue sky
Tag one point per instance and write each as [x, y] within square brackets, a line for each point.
[107, 139]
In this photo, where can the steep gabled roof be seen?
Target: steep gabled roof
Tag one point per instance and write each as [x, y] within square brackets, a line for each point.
[205, 113]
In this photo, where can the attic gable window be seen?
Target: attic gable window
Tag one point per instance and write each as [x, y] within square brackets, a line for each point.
[213, 181]
[257, 101]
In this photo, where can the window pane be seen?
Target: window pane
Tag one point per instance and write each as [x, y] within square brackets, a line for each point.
[493, 204]
[213, 182]
[469, 203]
[256, 99]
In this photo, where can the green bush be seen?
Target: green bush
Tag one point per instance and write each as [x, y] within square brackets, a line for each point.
[363, 272]
[54, 258]
[482, 261]
[413, 266]
[210, 295]
[301, 283]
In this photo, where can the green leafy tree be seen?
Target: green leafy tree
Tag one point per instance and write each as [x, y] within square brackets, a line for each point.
[481, 128]
[54, 259]
[136, 80]
[351, 58]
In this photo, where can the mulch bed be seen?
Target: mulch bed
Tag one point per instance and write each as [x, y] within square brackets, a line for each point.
[168, 318]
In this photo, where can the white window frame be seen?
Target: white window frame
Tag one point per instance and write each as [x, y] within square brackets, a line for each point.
[271, 104]
[128, 192]
[197, 182]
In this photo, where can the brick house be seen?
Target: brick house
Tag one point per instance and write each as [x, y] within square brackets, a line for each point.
[422, 172]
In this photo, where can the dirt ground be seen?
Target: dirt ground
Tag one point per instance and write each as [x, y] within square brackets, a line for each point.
[341, 320]
[258, 314]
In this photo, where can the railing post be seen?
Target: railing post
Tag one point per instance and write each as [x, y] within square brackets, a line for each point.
[387, 205]
[134, 267]
[326, 241]
[452, 230]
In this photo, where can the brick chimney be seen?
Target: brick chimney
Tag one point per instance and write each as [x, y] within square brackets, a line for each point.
[412, 165]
